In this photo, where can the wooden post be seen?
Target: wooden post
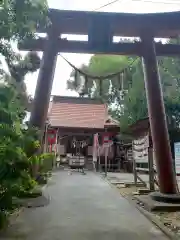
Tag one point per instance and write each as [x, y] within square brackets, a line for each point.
[134, 168]
[99, 156]
[106, 159]
[44, 83]
[151, 169]
[56, 149]
[157, 117]
[46, 139]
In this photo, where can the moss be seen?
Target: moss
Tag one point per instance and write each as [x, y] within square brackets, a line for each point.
[3, 219]
[31, 194]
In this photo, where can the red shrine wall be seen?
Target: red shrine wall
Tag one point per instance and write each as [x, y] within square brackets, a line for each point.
[60, 144]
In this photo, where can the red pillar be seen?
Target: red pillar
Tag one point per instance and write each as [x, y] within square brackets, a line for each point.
[44, 83]
[157, 118]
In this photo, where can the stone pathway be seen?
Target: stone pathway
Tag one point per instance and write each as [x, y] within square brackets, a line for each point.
[83, 207]
[128, 177]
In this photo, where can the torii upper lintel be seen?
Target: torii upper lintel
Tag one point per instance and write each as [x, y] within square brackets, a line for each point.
[162, 25]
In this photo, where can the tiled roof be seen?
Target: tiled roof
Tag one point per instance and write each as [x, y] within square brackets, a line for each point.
[77, 113]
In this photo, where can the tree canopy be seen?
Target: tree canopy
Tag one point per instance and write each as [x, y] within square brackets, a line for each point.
[129, 104]
[19, 19]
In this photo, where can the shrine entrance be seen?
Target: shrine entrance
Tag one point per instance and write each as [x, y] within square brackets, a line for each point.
[79, 147]
[101, 28]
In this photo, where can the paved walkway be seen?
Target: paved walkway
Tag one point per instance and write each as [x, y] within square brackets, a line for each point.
[83, 207]
[129, 177]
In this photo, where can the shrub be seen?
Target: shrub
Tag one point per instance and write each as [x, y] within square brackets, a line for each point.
[16, 146]
[47, 162]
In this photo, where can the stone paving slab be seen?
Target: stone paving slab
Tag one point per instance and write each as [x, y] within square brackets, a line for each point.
[128, 177]
[83, 207]
[151, 205]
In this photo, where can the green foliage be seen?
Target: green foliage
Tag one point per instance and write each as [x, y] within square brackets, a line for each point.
[18, 67]
[31, 143]
[14, 164]
[134, 103]
[133, 106]
[101, 65]
[43, 164]
[46, 162]
[17, 145]
[19, 19]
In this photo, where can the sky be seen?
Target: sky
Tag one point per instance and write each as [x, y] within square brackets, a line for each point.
[63, 70]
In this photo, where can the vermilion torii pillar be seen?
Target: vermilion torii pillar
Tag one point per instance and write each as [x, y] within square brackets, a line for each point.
[157, 118]
[44, 82]
[163, 25]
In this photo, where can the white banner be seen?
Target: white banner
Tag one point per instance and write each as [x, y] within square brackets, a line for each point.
[177, 157]
[141, 157]
[140, 149]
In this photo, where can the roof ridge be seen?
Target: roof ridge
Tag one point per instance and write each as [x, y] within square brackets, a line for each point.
[77, 100]
[77, 115]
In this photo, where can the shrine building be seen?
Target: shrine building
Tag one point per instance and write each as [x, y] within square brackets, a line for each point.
[73, 123]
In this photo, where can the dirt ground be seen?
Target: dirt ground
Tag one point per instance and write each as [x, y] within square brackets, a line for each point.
[170, 219]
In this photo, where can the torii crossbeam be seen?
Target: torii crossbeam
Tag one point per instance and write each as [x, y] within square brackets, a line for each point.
[101, 28]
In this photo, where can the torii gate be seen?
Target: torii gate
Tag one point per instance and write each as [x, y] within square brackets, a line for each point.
[100, 28]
